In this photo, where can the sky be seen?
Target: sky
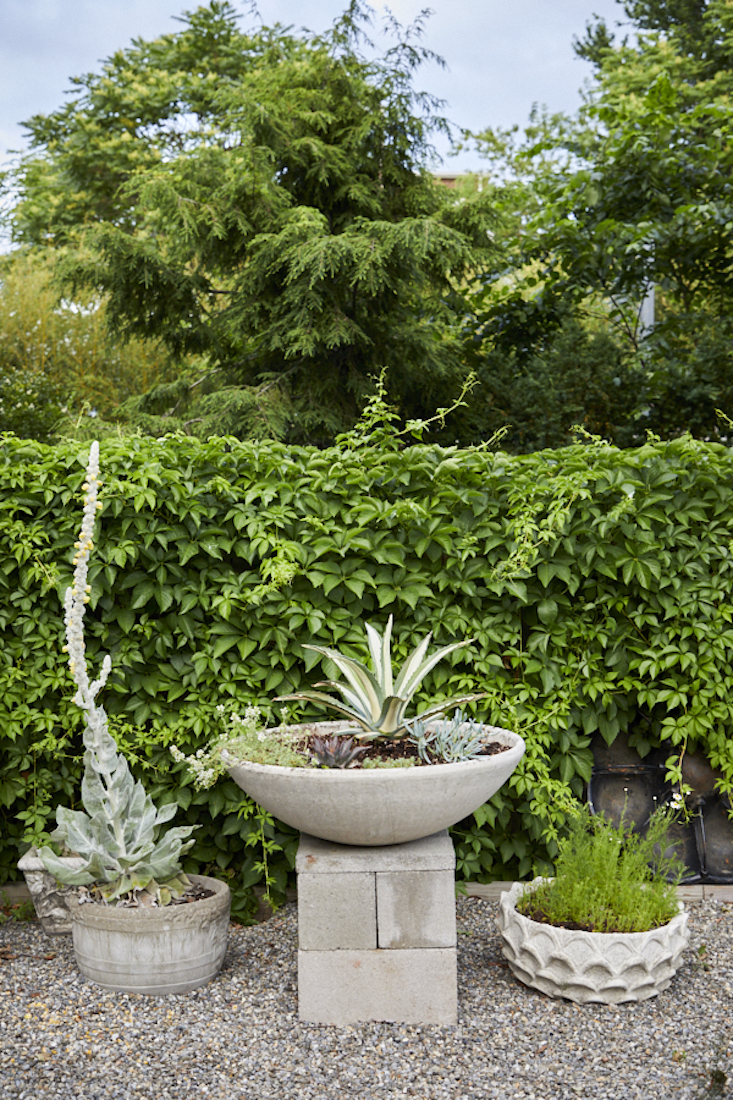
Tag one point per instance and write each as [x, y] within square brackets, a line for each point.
[502, 56]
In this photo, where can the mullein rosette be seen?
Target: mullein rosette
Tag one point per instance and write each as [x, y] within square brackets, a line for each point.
[118, 835]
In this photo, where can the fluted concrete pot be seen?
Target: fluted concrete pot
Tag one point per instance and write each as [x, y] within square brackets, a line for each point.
[47, 894]
[170, 949]
[605, 967]
[376, 806]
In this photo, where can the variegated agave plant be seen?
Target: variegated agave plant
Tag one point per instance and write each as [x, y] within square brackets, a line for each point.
[376, 699]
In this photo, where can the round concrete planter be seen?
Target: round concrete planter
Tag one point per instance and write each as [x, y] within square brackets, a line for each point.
[377, 806]
[171, 949]
[48, 895]
[607, 967]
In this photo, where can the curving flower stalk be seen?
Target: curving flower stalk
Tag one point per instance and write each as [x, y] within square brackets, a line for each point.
[77, 595]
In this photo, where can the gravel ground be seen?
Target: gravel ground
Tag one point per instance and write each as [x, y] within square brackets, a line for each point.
[239, 1038]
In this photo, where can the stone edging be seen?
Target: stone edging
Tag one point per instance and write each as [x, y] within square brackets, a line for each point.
[491, 891]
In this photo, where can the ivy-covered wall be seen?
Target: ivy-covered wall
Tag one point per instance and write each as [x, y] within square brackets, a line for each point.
[597, 583]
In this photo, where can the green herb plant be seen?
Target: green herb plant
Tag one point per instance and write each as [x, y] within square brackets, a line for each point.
[609, 878]
[244, 738]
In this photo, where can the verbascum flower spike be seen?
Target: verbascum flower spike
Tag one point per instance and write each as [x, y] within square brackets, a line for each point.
[117, 834]
[75, 599]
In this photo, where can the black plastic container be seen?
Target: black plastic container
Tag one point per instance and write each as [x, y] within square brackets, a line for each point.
[624, 785]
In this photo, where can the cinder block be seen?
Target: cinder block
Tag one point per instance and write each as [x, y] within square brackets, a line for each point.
[431, 853]
[349, 987]
[415, 909]
[337, 911]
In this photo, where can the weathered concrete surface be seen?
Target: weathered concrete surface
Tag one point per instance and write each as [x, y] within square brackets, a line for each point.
[415, 909]
[337, 911]
[377, 932]
[348, 987]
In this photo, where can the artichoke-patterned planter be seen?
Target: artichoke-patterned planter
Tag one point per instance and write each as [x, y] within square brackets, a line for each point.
[606, 967]
[372, 807]
[47, 894]
[171, 949]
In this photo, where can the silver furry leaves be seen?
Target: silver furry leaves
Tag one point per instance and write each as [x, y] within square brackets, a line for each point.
[117, 834]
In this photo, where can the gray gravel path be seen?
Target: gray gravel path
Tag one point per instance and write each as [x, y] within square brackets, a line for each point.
[239, 1038]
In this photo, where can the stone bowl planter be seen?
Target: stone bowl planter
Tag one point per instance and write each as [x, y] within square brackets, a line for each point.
[370, 807]
[605, 967]
[171, 949]
[48, 895]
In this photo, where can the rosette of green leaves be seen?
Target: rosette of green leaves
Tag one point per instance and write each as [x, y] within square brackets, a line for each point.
[335, 752]
[117, 837]
[374, 698]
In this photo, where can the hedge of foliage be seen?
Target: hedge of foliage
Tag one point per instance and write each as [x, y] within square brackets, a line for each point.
[597, 583]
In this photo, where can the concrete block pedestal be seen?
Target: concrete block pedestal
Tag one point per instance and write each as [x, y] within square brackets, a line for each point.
[377, 932]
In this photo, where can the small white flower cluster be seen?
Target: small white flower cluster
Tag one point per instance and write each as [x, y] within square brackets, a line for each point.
[250, 721]
[200, 765]
[77, 596]
[206, 766]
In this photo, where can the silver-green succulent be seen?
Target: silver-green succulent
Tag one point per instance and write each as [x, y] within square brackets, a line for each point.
[375, 698]
[117, 834]
[451, 741]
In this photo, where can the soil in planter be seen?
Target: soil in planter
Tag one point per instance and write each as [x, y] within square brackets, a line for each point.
[144, 900]
[538, 913]
[389, 751]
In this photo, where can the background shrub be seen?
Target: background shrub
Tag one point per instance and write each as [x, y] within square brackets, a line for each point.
[596, 582]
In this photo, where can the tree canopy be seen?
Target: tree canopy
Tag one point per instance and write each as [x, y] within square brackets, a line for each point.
[263, 199]
[635, 194]
[259, 204]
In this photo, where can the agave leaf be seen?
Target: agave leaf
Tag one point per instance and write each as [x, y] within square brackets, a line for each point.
[390, 723]
[361, 679]
[411, 667]
[330, 701]
[352, 698]
[437, 709]
[380, 649]
[413, 673]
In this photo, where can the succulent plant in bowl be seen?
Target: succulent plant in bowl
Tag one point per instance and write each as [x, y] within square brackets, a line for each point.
[362, 805]
[377, 699]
